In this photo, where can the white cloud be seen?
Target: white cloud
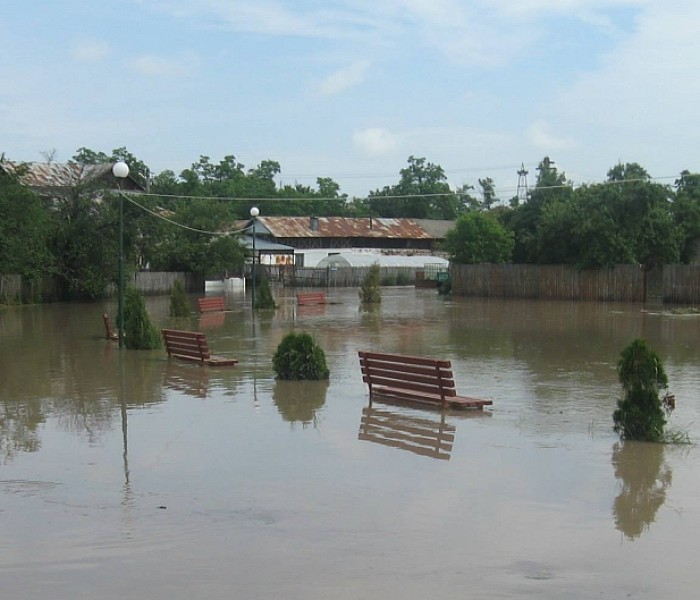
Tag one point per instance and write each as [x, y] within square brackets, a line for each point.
[344, 78]
[151, 65]
[541, 136]
[375, 141]
[91, 51]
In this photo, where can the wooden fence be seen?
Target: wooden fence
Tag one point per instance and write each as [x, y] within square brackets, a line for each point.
[346, 276]
[673, 284]
[151, 283]
[15, 289]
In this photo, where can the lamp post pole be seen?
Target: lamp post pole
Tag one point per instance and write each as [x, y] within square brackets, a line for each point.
[254, 212]
[121, 170]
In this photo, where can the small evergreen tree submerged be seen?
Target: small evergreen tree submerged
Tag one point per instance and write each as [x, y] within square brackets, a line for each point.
[641, 413]
[370, 290]
[299, 357]
[139, 333]
[179, 304]
[263, 294]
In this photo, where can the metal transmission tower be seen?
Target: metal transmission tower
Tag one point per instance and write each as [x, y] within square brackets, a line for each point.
[522, 184]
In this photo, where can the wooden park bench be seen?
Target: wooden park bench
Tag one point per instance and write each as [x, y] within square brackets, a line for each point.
[415, 379]
[309, 298]
[192, 346]
[211, 304]
[110, 332]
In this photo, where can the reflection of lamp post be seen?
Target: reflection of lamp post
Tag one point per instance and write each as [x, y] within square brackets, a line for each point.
[254, 212]
[121, 170]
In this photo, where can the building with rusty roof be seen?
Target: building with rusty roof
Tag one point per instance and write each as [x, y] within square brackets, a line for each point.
[346, 233]
[54, 179]
[313, 238]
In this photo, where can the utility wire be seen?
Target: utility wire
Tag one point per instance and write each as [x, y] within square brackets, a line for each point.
[570, 184]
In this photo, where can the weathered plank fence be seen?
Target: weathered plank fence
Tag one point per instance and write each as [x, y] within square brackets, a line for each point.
[347, 276]
[673, 284]
[15, 289]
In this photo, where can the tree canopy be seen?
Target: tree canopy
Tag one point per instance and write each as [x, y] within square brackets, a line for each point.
[183, 220]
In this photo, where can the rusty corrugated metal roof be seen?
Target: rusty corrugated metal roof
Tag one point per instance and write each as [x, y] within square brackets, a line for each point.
[57, 174]
[344, 227]
[61, 175]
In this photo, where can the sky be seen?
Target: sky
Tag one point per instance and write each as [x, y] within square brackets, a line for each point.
[350, 89]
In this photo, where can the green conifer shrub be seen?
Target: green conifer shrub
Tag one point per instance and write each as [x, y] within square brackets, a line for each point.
[640, 413]
[298, 357]
[263, 294]
[179, 304]
[370, 290]
[139, 333]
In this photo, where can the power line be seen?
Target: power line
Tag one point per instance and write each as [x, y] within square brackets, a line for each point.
[252, 199]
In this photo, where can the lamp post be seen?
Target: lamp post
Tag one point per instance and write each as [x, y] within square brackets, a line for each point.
[121, 170]
[254, 212]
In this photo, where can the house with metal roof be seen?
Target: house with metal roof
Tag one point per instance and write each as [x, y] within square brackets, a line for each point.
[318, 237]
[55, 179]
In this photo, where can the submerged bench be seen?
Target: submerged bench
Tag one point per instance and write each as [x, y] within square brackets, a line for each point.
[110, 333]
[309, 298]
[192, 346]
[212, 304]
[415, 379]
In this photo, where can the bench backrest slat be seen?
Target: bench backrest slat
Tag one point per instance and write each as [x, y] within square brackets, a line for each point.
[311, 298]
[412, 373]
[211, 304]
[192, 344]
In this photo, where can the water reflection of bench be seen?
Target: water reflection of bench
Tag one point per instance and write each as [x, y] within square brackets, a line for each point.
[187, 379]
[212, 320]
[419, 435]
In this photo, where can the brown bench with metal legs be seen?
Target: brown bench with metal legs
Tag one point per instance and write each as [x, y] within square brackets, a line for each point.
[192, 346]
[414, 379]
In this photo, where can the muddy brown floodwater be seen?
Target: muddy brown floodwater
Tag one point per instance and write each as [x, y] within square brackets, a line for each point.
[125, 475]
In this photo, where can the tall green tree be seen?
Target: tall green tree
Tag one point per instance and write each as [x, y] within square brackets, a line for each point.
[488, 193]
[479, 238]
[686, 214]
[525, 220]
[422, 193]
[25, 227]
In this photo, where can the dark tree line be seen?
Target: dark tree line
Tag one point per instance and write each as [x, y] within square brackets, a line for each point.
[184, 222]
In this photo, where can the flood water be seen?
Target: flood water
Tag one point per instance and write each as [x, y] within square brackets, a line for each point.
[126, 475]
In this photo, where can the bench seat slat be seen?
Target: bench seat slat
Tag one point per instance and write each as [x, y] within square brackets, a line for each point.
[457, 401]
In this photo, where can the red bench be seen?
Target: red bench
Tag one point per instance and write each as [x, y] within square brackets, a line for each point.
[309, 298]
[414, 378]
[212, 304]
[192, 346]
